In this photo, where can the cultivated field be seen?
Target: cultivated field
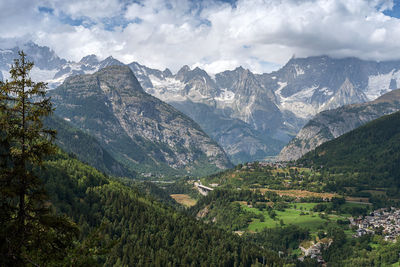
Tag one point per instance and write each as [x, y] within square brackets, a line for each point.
[184, 199]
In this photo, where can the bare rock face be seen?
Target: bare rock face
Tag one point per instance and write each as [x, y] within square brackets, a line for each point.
[138, 129]
[331, 124]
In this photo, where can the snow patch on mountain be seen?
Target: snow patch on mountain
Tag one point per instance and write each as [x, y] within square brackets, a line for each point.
[299, 70]
[298, 103]
[326, 91]
[167, 89]
[378, 85]
[197, 96]
[279, 90]
[226, 96]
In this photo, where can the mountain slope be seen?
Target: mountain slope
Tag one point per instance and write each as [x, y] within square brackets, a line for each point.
[369, 155]
[137, 129]
[330, 124]
[86, 148]
[240, 141]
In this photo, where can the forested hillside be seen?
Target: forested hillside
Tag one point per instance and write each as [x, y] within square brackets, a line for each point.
[85, 147]
[146, 232]
[368, 156]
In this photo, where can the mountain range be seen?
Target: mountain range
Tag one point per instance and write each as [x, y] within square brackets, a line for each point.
[251, 116]
[139, 131]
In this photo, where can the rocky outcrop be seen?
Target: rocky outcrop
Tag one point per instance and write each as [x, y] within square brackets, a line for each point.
[139, 130]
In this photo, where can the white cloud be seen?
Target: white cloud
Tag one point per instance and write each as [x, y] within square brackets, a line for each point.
[93, 9]
[212, 35]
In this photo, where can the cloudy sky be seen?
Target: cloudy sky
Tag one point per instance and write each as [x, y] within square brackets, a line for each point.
[214, 34]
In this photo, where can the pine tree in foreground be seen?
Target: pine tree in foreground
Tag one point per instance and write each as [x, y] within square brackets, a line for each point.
[30, 234]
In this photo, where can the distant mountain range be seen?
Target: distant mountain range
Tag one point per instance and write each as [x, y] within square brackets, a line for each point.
[140, 131]
[49, 67]
[252, 116]
[331, 124]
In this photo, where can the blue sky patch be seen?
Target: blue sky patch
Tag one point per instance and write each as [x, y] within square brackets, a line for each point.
[82, 21]
[48, 10]
[395, 12]
[118, 21]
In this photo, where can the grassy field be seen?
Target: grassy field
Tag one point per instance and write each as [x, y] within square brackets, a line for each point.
[184, 199]
[310, 220]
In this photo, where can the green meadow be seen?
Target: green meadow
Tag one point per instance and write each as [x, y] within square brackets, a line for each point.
[299, 214]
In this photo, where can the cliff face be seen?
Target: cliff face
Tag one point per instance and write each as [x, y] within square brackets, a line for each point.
[330, 124]
[139, 130]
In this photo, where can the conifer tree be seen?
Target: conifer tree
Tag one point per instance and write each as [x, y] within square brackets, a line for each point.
[29, 232]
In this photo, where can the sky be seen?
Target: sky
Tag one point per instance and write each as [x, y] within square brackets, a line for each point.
[215, 35]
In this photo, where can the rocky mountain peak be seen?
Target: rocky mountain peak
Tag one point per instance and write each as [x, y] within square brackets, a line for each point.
[347, 94]
[119, 78]
[197, 72]
[89, 60]
[137, 128]
[228, 78]
[167, 73]
[181, 74]
[240, 69]
[42, 56]
[110, 61]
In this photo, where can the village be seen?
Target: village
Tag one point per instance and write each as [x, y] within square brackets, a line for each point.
[385, 221]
